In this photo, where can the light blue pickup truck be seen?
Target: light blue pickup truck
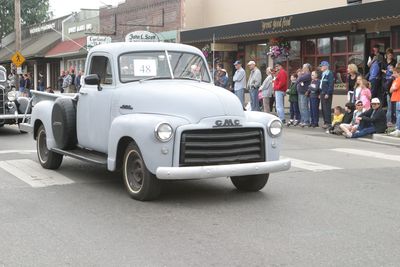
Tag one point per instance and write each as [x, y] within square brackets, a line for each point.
[152, 110]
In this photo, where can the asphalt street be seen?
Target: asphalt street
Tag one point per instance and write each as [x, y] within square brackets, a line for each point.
[337, 206]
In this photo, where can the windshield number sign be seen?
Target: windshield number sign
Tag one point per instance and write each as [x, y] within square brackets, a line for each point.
[145, 67]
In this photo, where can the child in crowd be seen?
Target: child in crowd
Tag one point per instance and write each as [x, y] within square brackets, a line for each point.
[313, 94]
[337, 120]
[395, 91]
[365, 94]
[294, 102]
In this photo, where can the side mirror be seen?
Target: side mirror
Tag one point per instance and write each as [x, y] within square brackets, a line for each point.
[93, 79]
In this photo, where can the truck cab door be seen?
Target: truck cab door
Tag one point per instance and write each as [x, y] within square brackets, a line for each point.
[94, 105]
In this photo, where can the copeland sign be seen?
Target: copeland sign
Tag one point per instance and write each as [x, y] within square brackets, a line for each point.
[141, 36]
[96, 40]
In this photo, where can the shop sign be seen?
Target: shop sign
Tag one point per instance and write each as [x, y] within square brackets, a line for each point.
[224, 47]
[80, 28]
[92, 41]
[42, 28]
[141, 36]
[277, 24]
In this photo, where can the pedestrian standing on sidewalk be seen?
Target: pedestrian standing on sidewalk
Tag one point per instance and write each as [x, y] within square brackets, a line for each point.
[294, 101]
[253, 84]
[387, 71]
[303, 82]
[313, 93]
[267, 90]
[239, 79]
[374, 75]
[352, 71]
[66, 82]
[395, 91]
[371, 121]
[326, 86]
[41, 82]
[280, 87]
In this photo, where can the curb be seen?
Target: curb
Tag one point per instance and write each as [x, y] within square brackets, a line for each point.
[382, 139]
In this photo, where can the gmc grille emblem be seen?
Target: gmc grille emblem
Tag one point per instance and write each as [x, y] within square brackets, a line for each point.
[227, 123]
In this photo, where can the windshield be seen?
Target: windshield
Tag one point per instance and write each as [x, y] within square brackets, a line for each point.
[2, 76]
[154, 65]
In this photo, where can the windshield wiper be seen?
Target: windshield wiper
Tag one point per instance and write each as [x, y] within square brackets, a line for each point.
[153, 78]
[188, 78]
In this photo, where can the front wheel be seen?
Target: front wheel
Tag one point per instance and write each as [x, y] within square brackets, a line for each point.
[48, 159]
[250, 183]
[139, 182]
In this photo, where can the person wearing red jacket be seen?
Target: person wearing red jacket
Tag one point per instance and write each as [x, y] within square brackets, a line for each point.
[280, 87]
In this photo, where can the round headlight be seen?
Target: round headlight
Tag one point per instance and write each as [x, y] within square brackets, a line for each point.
[275, 128]
[164, 132]
[12, 95]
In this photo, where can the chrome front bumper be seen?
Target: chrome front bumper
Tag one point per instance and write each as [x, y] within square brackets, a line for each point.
[215, 171]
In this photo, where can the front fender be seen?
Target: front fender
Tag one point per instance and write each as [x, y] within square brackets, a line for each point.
[41, 113]
[140, 128]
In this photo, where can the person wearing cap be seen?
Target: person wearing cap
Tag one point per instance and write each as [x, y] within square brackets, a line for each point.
[395, 91]
[371, 121]
[253, 84]
[326, 86]
[280, 87]
[239, 79]
[221, 78]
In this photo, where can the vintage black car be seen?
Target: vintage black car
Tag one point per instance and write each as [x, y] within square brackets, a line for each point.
[13, 108]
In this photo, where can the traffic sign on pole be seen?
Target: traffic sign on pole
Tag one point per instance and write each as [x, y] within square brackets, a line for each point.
[18, 59]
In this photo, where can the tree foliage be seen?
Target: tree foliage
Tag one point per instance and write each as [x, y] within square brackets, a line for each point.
[32, 12]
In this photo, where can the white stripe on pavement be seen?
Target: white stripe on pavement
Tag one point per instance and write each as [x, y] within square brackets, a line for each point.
[33, 174]
[312, 166]
[17, 151]
[367, 153]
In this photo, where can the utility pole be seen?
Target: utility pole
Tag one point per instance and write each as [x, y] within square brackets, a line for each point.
[17, 26]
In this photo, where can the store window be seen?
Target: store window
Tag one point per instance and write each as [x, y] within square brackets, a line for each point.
[324, 46]
[294, 59]
[339, 44]
[396, 42]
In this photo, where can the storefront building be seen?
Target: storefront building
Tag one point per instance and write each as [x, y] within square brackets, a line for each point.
[160, 17]
[79, 34]
[341, 35]
[36, 41]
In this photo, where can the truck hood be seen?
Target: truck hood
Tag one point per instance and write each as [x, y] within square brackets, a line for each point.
[191, 100]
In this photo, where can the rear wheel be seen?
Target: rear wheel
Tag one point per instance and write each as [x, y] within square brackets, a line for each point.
[139, 182]
[48, 159]
[250, 183]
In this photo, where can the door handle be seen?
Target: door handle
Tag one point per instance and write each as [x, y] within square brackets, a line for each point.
[82, 93]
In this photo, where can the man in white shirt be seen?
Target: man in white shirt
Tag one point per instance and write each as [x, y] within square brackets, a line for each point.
[239, 78]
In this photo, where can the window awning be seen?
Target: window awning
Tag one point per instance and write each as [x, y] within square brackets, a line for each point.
[68, 48]
[379, 10]
[33, 47]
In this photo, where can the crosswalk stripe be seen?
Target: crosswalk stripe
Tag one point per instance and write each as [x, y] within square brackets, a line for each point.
[367, 153]
[312, 166]
[17, 151]
[33, 174]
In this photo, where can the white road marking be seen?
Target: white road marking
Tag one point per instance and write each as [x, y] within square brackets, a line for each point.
[17, 151]
[33, 174]
[312, 166]
[367, 153]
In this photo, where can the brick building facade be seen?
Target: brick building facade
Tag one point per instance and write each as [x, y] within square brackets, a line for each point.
[158, 16]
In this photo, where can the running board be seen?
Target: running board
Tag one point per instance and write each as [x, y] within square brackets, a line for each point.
[84, 155]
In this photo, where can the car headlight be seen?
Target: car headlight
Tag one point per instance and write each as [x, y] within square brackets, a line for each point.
[275, 128]
[163, 132]
[12, 95]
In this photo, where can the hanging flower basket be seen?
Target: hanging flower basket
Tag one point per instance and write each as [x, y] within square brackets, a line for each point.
[278, 47]
[206, 50]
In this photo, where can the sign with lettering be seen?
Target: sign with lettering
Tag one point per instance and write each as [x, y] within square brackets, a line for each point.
[18, 59]
[80, 28]
[277, 24]
[92, 41]
[145, 67]
[42, 28]
[141, 36]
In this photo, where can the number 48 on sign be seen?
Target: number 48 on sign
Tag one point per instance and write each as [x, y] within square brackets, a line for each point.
[145, 67]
